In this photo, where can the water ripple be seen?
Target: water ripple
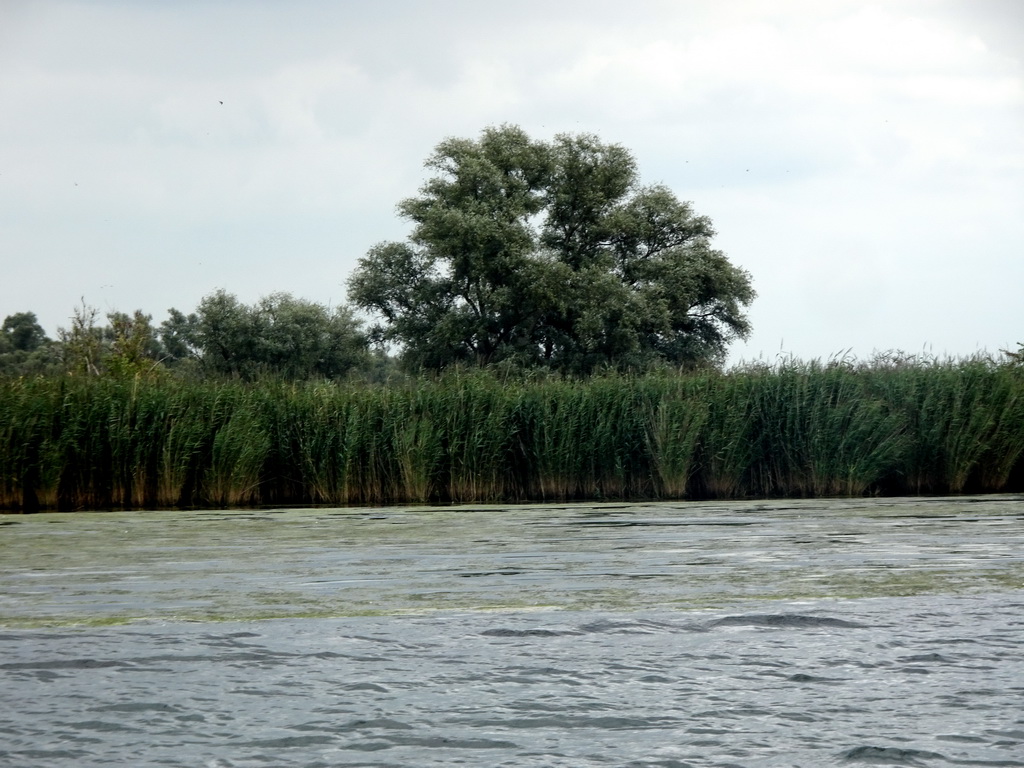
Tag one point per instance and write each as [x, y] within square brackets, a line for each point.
[808, 637]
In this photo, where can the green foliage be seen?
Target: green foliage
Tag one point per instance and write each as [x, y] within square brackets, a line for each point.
[177, 336]
[81, 345]
[25, 349]
[78, 442]
[21, 331]
[1016, 358]
[133, 345]
[127, 347]
[551, 255]
[280, 336]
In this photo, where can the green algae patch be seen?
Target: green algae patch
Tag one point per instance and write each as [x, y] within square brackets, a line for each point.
[117, 568]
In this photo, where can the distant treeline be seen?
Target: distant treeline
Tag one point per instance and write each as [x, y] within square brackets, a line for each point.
[279, 336]
[790, 430]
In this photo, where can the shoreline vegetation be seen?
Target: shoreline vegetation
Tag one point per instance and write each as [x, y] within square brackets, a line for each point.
[790, 430]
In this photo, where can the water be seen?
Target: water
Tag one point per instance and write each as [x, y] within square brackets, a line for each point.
[845, 633]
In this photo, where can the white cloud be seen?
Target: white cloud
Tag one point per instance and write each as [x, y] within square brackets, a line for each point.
[853, 156]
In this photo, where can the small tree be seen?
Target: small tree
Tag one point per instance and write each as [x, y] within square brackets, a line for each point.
[128, 346]
[225, 335]
[280, 335]
[81, 346]
[177, 337]
[23, 332]
[134, 348]
[1016, 358]
[24, 346]
[301, 339]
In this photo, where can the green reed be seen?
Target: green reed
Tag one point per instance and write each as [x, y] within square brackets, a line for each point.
[795, 429]
[584, 439]
[311, 445]
[676, 414]
[964, 429]
[473, 415]
[725, 449]
[815, 432]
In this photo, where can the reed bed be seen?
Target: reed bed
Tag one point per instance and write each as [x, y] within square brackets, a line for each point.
[792, 430]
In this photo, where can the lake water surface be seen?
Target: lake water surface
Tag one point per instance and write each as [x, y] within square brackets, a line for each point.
[807, 633]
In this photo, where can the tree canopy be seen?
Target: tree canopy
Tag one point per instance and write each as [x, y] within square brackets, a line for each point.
[21, 331]
[280, 335]
[24, 346]
[550, 254]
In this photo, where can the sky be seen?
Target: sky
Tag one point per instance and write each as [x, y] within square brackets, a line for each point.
[864, 162]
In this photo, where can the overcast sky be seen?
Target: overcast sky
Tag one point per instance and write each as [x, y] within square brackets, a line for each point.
[863, 161]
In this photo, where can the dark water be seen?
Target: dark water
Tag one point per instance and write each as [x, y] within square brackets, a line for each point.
[818, 633]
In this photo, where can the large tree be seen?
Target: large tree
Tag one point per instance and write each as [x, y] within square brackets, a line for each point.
[553, 254]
